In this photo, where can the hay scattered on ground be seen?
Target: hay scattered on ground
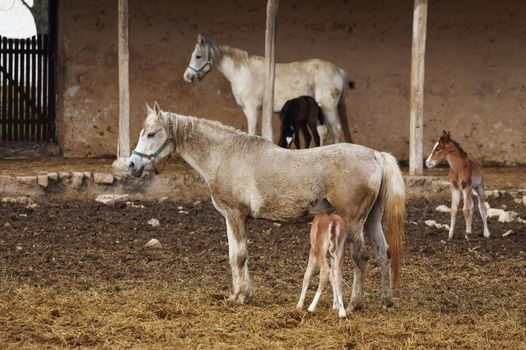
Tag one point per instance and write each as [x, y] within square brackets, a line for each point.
[84, 278]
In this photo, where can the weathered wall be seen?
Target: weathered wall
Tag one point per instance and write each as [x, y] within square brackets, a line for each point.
[475, 70]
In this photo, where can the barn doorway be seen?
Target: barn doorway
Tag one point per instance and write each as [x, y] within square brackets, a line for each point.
[27, 77]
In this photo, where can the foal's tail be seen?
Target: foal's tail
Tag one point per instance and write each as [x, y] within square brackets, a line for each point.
[392, 202]
[334, 233]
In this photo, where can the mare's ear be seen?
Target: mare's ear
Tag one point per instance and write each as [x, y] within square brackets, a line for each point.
[156, 109]
[201, 40]
[149, 109]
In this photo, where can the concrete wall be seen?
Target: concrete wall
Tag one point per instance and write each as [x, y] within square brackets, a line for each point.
[475, 72]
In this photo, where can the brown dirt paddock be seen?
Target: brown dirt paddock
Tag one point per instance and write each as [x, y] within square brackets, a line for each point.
[76, 274]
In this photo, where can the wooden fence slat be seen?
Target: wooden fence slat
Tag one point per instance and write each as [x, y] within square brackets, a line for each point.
[33, 91]
[45, 92]
[15, 73]
[27, 89]
[9, 69]
[3, 117]
[21, 104]
[38, 102]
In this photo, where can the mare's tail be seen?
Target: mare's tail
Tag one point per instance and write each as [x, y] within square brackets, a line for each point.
[342, 112]
[321, 128]
[392, 202]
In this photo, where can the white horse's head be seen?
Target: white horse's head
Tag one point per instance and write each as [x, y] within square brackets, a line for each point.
[155, 141]
[201, 61]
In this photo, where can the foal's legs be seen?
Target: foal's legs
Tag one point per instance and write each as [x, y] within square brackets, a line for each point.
[482, 208]
[325, 275]
[373, 228]
[311, 122]
[306, 135]
[306, 279]
[455, 201]
[238, 256]
[336, 271]
[297, 141]
[468, 208]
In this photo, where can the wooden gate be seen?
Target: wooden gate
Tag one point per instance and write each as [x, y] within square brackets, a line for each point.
[27, 96]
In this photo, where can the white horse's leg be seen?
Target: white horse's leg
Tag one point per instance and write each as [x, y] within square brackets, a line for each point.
[359, 258]
[252, 119]
[331, 115]
[482, 208]
[238, 256]
[373, 228]
[306, 279]
[468, 209]
[455, 201]
[325, 275]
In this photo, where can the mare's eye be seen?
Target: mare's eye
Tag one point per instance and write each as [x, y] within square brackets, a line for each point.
[198, 56]
[150, 135]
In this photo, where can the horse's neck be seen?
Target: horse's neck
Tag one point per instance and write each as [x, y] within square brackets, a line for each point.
[456, 160]
[235, 63]
[199, 146]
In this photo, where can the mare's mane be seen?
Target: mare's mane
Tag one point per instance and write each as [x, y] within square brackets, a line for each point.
[238, 56]
[184, 126]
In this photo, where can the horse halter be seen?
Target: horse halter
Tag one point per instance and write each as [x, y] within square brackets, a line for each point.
[160, 149]
[200, 70]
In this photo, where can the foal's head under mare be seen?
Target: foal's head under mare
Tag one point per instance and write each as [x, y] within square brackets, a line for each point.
[301, 114]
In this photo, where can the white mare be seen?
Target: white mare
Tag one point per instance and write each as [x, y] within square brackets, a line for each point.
[246, 178]
[320, 79]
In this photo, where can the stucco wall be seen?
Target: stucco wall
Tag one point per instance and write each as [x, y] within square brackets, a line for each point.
[475, 71]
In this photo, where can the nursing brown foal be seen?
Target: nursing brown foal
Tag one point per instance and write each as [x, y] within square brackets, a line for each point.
[465, 174]
[327, 235]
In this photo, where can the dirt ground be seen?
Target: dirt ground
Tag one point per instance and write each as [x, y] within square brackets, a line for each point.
[77, 274]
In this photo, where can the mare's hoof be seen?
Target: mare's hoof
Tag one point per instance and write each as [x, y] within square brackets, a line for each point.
[342, 314]
[355, 306]
[387, 303]
[240, 298]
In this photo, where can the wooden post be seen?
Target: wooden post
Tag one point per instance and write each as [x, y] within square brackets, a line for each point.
[268, 97]
[123, 148]
[416, 135]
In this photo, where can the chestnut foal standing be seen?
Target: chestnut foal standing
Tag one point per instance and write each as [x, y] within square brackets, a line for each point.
[327, 234]
[465, 174]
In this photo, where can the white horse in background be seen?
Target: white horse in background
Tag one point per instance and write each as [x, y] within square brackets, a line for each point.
[245, 176]
[320, 79]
